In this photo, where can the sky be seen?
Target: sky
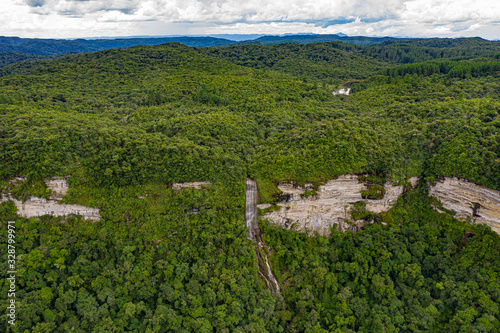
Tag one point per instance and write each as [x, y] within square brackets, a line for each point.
[398, 18]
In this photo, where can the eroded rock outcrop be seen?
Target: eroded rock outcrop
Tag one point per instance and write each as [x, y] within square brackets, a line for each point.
[35, 207]
[195, 185]
[469, 201]
[329, 206]
[58, 186]
[342, 91]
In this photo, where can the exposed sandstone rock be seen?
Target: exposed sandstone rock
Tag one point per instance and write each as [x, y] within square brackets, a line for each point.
[342, 91]
[35, 207]
[413, 181]
[469, 200]
[17, 180]
[196, 185]
[331, 205]
[58, 185]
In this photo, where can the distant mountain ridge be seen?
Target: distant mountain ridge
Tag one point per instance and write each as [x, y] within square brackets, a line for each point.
[13, 48]
[58, 46]
[305, 39]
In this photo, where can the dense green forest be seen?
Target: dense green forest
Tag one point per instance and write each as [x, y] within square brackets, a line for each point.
[127, 123]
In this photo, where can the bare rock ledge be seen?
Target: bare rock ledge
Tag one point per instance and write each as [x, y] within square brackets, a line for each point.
[35, 207]
[469, 201]
[331, 205]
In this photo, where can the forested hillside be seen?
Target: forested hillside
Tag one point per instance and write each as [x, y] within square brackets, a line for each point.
[8, 58]
[125, 124]
[417, 50]
[328, 62]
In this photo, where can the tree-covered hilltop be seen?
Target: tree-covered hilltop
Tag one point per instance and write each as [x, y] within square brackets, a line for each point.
[161, 105]
[432, 49]
[328, 62]
[127, 123]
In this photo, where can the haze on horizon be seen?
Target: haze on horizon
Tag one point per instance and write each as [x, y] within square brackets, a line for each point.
[398, 18]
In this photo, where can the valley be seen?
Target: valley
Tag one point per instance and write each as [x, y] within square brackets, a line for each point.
[227, 188]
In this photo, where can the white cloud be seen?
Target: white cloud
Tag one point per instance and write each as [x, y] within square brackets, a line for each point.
[77, 18]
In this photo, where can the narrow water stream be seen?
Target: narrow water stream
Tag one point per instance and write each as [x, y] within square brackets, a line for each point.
[261, 250]
[272, 283]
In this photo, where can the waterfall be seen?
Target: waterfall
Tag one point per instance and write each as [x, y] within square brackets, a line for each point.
[261, 250]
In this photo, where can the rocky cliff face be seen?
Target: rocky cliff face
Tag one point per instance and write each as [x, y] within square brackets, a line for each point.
[195, 185]
[35, 206]
[330, 206]
[469, 201]
[58, 185]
